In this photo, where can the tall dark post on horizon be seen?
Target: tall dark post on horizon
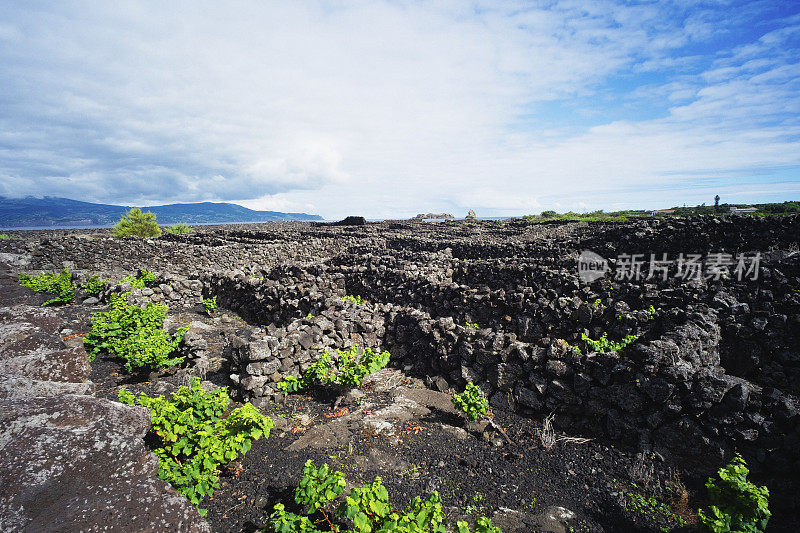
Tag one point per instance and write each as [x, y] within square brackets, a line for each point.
[716, 203]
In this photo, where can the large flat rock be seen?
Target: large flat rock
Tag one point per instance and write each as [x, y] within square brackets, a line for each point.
[80, 463]
[31, 348]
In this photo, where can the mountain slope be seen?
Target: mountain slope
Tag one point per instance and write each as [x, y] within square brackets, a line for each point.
[53, 212]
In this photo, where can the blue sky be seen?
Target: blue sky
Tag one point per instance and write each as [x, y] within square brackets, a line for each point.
[388, 109]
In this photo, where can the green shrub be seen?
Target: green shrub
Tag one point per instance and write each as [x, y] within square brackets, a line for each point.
[4, 236]
[367, 508]
[319, 372]
[134, 334]
[59, 285]
[210, 305]
[471, 401]
[604, 345]
[289, 385]
[195, 439]
[142, 280]
[352, 369]
[355, 300]
[179, 229]
[137, 224]
[737, 505]
[94, 285]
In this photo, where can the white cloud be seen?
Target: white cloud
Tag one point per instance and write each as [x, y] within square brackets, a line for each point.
[374, 107]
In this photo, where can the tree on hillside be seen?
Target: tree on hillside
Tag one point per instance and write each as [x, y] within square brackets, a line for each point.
[716, 203]
[137, 224]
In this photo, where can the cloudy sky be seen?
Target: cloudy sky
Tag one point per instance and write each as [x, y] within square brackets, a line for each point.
[391, 108]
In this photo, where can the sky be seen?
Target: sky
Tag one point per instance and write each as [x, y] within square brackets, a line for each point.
[387, 109]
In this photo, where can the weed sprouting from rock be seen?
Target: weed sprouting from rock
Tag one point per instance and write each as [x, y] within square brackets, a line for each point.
[604, 345]
[352, 369]
[355, 300]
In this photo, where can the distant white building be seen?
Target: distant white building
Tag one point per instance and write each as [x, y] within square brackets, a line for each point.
[743, 209]
[662, 212]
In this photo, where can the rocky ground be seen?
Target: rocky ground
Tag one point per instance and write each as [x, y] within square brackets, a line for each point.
[714, 369]
[71, 461]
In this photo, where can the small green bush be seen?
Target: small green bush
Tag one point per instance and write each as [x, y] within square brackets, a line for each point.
[4, 236]
[290, 385]
[210, 305]
[367, 508]
[142, 280]
[471, 401]
[59, 285]
[604, 345]
[737, 505]
[195, 439]
[179, 229]
[355, 300]
[137, 224]
[94, 285]
[134, 334]
[352, 369]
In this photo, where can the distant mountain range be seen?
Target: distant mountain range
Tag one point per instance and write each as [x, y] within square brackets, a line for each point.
[63, 212]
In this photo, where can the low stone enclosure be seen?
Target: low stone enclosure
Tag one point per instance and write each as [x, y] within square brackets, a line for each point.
[715, 370]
